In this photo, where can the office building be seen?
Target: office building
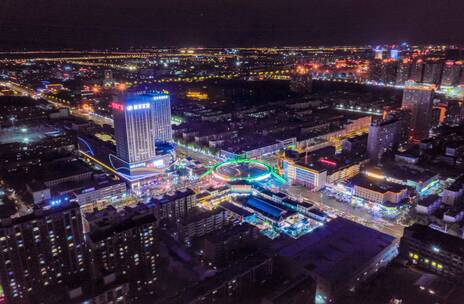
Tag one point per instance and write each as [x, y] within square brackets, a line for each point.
[383, 137]
[418, 99]
[140, 120]
[42, 252]
[433, 251]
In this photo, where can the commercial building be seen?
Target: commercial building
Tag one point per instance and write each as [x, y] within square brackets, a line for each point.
[95, 192]
[140, 120]
[376, 191]
[419, 100]
[77, 180]
[433, 251]
[42, 252]
[336, 260]
[316, 174]
[417, 179]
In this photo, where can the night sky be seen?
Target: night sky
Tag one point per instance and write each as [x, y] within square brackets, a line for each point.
[227, 23]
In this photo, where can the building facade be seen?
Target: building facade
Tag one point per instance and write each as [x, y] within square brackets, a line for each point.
[140, 120]
[41, 252]
[418, 99]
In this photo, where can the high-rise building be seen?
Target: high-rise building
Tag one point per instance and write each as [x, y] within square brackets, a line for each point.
[394, 54]
[125, 244]
[384, 136]
[375, 70]
[140, 120]
[403, 72]
[417, 70]
[451, 73]
[432, 72]
[419, 100]
[389, 70]
[41, 252]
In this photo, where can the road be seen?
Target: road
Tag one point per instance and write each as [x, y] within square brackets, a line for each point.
[97, 119]
[358, 215]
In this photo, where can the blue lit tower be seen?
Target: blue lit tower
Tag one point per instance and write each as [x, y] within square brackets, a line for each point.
[141, 119]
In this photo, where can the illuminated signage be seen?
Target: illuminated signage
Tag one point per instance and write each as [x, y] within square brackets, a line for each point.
[58, 201]
[160, 97]
[88, 190]
[328, 162]
[117, 106]
[139, 106]
[154, 164]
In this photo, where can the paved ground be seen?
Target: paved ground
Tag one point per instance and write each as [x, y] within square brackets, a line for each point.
[358, 215]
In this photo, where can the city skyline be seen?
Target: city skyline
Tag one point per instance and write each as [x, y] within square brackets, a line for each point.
[231, 151]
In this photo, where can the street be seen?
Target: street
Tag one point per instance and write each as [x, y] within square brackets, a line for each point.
[359, 215]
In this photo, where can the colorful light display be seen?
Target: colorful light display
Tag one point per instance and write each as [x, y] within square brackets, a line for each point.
[262, 171]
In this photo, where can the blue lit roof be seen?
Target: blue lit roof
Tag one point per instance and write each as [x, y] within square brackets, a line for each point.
[265, 208]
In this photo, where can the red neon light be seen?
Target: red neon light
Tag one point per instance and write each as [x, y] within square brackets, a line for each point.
[117, 106]
[328, 162]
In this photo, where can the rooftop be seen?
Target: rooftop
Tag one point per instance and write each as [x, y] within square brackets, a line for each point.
[435, 238]
[335, 251]
[361, 180]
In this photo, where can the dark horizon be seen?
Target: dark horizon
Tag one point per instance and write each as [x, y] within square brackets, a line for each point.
[205, 23]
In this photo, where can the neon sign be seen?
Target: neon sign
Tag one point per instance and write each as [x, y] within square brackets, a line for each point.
[160, 97]
[117, 106]
[58, 201]
[140, 106]
[328, 162]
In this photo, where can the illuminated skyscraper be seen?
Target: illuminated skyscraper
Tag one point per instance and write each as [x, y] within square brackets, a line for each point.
[418, 99]
[140, 120]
